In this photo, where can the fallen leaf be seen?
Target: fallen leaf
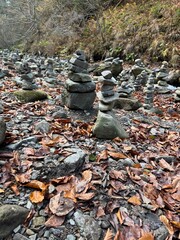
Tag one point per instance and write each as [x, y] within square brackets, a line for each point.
[116, 155]
[55, 221]
[165, 165]
[117, 236]
[85, 196]
[108, 235]
[37, 184]
[175, 224]
[15, 189]
[147, 236]
[135, 200]
[23, 177]
[29, 151]
[1, 190]
[60, 206]
[100, 212]
[70, 194]
[102, 156]
[87, 175]
[36, 197]
[166, 222]
[119, 216]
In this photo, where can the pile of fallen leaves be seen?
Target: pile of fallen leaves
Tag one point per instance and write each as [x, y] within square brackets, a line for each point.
[106, 185]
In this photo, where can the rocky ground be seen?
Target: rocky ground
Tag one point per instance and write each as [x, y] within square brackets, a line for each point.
[76, 186]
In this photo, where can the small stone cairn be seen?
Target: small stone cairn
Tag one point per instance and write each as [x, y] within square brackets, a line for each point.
[149, 92]
[162, 77]
[79, 90]
[125, 89]
[107, 126]
[138, 67]
[177, 95]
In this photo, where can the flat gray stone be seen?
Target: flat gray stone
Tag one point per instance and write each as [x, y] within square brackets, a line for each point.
[80, 87]
[127, 104]
[80, 77]
[10, 217]
[89, 227]
[79, 63]
[42, 126]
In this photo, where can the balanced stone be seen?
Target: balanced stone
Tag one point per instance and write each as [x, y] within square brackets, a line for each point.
[79, 77]
[72, 86]
[138, 67]
[149, 92]
[177, 95]
[107, 127]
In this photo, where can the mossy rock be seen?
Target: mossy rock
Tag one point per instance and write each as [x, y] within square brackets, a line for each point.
[30, 95]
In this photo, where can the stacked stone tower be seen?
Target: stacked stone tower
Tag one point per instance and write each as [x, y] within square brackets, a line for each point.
[79, 90]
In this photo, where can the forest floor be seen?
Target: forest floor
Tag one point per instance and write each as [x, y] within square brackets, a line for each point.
[129, 187]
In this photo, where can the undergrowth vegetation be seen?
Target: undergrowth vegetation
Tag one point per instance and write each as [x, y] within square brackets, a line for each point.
[126, 28]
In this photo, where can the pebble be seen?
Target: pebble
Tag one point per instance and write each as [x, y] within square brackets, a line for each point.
[19, 236]
[70, 237]
[72, 222]
[29, 232]
[38, 221]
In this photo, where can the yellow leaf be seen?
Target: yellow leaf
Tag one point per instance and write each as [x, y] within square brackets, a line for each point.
[166, 222]
[108, 235]
[147, 236]
[175, 224]
[119, 216]
[37, 184]
[36, 197]
[135, 200]
[1, 190]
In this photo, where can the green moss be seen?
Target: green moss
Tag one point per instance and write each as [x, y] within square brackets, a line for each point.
[30, 95]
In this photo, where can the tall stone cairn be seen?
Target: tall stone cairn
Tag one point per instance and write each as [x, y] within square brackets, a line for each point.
[107, 126]
[125, 88]
[149, 92]
[162, 77]
[79, 92]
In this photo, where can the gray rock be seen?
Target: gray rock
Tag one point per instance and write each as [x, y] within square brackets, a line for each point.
[30, 95]
[38, 221]
[70, 237]
[107, 127]
[127, 104]
[71, 165]
[79, 87]
[60, 114]
[25, 141]
[42, 126]
[2, 130]
[10, 217]
[79, 77]
[81, 101]
[19, 236]
[88, 226]
[79, 63]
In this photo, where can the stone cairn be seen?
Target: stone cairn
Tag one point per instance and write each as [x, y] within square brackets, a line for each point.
[162, 77]
[149, 92]
[177, 95]
[79, 92]
[28, 82]
[106, 126]
[125, 88]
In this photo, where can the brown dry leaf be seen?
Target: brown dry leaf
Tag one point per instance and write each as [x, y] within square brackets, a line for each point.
[117, 155]
[15, 189]
[108, 235]
[36, 197]
[23, 177]
[176, 196]
[117, 175]
[117, 236]
[70, 194]
[55, 221]
[135, 200]
[147, 236]
[87, 175]
[1, 190]
[37, 184]
[100, 212]
[29, 151]
[166, 222]
[85, 196]
[102, 156]
[60, 206]
[175, 224]
[120, 217]
[165, 165]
